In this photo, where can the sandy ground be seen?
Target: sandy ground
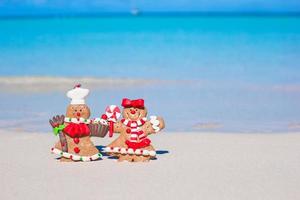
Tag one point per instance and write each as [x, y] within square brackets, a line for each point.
[189, 166]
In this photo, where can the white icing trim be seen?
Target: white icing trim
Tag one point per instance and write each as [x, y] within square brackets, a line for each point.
[152, 153]
[130, 151]
[126, 121]
[132, 135]
[145, 152]
[138, 152]
[155, 123]
[76, 157]
[77, 120]
[139, 123]
[123, 151]
[100, 120]
[116, 150]
[56, 151]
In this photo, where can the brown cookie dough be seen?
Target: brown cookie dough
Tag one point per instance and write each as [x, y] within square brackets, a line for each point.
[133, 144]
[75, 138]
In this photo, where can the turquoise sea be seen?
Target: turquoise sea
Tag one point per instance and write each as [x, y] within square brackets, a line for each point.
[222, 73]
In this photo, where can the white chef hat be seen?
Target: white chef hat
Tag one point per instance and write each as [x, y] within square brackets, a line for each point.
[77, 94]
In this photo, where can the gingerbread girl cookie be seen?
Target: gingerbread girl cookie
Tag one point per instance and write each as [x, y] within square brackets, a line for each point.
[75, 130]
[133, 144]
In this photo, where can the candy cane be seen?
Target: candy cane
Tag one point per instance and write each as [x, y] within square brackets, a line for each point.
[112, 113]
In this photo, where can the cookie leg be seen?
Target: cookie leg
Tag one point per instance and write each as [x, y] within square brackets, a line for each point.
[138, 158]
[131, 158]
[58, 146]
[62, 159]
[122, 158]
[147, 158]
[66, 160]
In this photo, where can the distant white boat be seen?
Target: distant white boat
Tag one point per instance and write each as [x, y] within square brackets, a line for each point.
[135, 11]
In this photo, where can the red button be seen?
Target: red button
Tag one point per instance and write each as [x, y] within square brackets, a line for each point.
[76, 150]
[128, 130]
[76, 140]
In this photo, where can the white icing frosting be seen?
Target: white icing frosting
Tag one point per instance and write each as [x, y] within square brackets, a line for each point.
[76, 157]
[77, 120]
[155, 123]
[130, 151]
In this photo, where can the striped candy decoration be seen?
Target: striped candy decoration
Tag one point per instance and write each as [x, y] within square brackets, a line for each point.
[112, 112]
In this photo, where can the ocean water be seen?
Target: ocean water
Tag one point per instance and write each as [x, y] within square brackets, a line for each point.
[224, 74]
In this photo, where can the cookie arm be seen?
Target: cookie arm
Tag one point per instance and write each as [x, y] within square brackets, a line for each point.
[161, 123]
[57, 123]
[154, 125]
[117, 127]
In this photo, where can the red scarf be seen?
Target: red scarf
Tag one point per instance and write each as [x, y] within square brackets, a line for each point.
[77, 130]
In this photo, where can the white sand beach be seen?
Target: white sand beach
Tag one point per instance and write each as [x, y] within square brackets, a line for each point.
[188, 166]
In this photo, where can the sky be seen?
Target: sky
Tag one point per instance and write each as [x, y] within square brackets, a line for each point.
[60, 7]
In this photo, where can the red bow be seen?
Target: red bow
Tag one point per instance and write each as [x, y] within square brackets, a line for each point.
[137, 103]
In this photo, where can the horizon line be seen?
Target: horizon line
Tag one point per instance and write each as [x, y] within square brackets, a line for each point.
[154, 14]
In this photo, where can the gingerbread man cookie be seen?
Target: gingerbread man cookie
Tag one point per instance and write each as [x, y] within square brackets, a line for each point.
[75, 130]
[133, 144]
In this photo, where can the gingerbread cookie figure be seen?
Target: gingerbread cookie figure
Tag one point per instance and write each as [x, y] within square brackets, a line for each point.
[133, 144]
[75, 130]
